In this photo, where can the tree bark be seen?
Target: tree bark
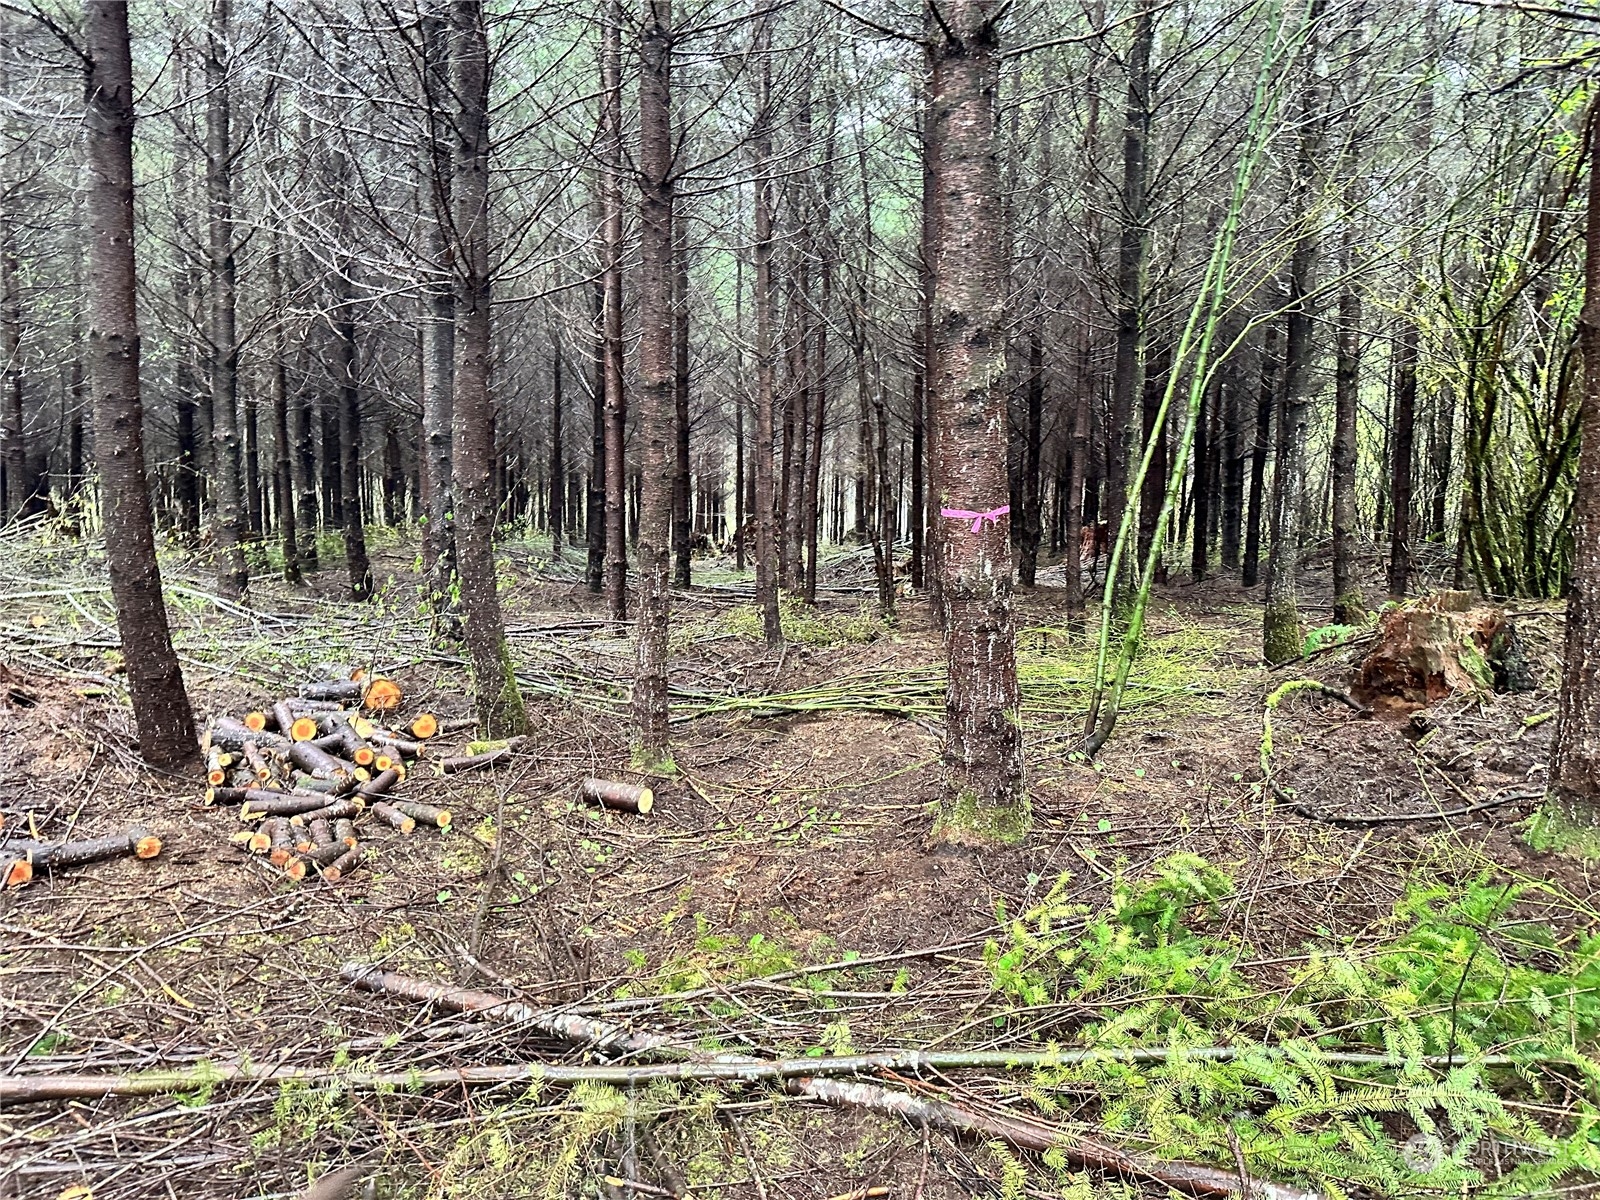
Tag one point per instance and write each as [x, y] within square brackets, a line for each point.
[766, 318]
[1031, 527]
[682, 477]
[499, 703]
[1266, 404]
[983, 798]
[438, 332]
[656, 380]
[155, 681]
[1575, 772]
[1401, 455]
[595, 508]
[615, 399]
[558, 463]
[233, 576]
[278, 384]
[1204, 452]
[1349, 607]
[1232, 466]
[14, 483]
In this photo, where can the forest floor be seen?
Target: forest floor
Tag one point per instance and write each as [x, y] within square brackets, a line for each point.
[795, 835]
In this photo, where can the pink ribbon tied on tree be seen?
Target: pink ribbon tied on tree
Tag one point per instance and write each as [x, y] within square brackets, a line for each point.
[977, 518]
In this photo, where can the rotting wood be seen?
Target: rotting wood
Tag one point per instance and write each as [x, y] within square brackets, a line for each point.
[622, 797]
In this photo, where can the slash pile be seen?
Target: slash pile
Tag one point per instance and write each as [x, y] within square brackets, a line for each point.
[308, 771]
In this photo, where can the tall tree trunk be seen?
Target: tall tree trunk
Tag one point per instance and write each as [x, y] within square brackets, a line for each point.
[278, 384]
[811, 516]
[348, 446]
[1575, 771]
[615, 399]
[983, 751]
[595, 508]
[1401, 456]
[1232, 465]
[499, 703]
[1266, 404]
[1204, 452]
[1132, 251]
[682, 477]
[254, 514]
[656, 379]
[766, 369]
[917, 515]
[1349, 607]
[15, 492]
[155, 681]
[438, 332]
[233, 576]
[1030, 526]
[558, 462]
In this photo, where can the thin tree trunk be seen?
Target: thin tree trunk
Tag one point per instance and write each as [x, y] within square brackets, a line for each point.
[1266, 405]
[233, 576]
[595, 509]
[1204, 451]
[811, 515]
[1349, 606]
[1575, 771]
[155, 682]
[558, 463]
[14, 494]
[682, 477]
[983, 800]
[656, 384]
[1233, 456]
[499, 703]
[1030, 525]
[278, 384]
[348, 445]
[766, 318]
[615, 398]
[1402, 454]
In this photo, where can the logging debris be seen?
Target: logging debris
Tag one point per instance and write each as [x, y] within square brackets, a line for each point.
[309, 768]
[24, 859]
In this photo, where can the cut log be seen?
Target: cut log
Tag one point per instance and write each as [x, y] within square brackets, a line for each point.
[474, 762]
[232, 735]
[303, 729]
[332, 689]
[423, 727]
[283, 717]
[279, 804]
[320, 856]
[382, 739]
[217, 763]
[424, 812]
[135, 840]
[348, 809]
[257, 761]
[14, 872]
[226, 795]
[282, 840]
[295, 868]
[255, 720]
[393, 816]
[318, 764]
[449, 725]
[344, 830]
[382, 695]
[623, 797]
[380, 784]
[343, 865]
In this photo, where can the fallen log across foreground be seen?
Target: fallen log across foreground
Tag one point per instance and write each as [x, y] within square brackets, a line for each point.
[816, 1079]
[33, 857]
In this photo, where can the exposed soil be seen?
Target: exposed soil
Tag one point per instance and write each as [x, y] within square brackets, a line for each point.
[807, 829]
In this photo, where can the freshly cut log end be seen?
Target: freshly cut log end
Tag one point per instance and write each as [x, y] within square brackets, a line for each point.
[135, 840]
[621, 797]
[15, 872]
[255, 720]
[365, 756]
[257, 841]
[295, 868]
[424, 727]
[225, 795]
[439, 817]
[393, 816]
[382, 695]
[344, 830]
[343, 865]
[145, 844]
[282, 838]
[304, 729]
[216, 777]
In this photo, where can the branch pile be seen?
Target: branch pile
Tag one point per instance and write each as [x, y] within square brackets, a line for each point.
[311, 772]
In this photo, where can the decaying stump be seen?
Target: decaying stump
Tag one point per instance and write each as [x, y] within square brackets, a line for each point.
[1430, 648]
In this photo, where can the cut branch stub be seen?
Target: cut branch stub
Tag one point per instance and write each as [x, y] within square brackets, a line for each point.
[623, 797]
[393, 816]
[424, 812]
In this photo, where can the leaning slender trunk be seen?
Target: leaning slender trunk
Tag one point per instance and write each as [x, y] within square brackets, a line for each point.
[155, 682]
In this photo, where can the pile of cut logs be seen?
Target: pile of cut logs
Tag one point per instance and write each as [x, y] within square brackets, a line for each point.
[307, 771]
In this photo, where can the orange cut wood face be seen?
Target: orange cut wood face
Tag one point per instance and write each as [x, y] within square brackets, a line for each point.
[382, 695]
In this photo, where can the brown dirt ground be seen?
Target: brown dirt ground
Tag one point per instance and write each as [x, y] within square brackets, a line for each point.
[808, 830]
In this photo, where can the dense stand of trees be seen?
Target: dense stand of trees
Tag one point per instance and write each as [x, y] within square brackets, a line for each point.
[914, 278]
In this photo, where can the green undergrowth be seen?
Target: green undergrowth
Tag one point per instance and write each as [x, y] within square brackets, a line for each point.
[805, 624]
[1451, 979]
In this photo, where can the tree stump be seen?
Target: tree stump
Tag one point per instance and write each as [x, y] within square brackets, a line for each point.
[1440, 645]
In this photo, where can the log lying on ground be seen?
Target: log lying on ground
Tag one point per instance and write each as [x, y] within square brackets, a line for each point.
[623, 797]
[283, 840]
[343, 865]
[474, 762]
[381, 695]
[303, 729]
[350, 809]
[257, 761]
[380, 784]
[283, 717]
[135, 840]
[232, 735]
[332, 689]
[423, 727]
[393, 816]
[427, 813]
[344, 830]
[280, 804]
[226, 795]
[317, 763]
